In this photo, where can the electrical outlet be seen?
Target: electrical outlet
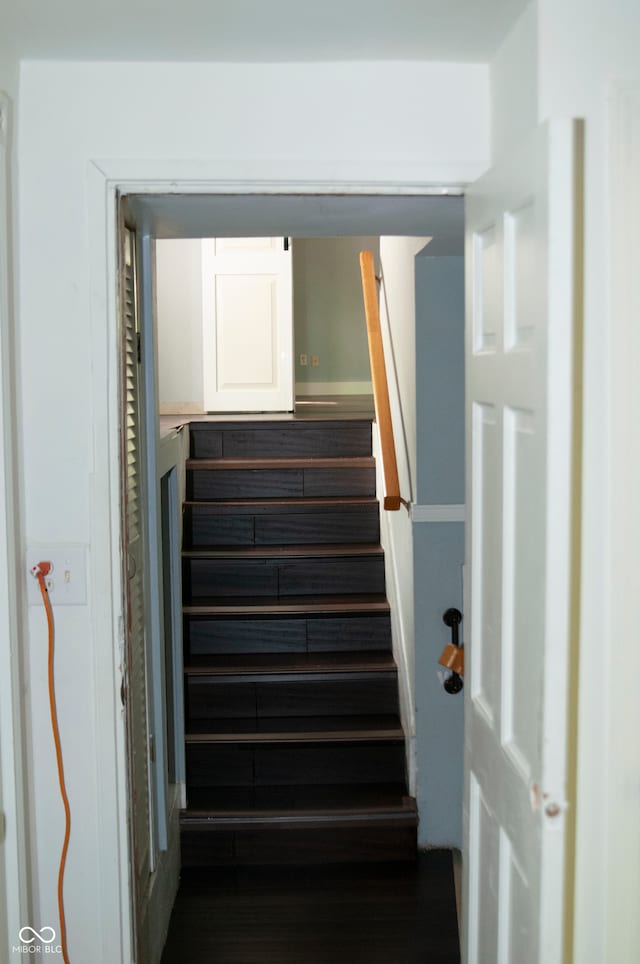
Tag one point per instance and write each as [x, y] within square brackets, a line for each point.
[303, 360]
[67, 580]
[315, 361]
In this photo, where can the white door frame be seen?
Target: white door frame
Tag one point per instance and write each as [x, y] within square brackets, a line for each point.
[14, 912]
[107, 182]
[621, 834]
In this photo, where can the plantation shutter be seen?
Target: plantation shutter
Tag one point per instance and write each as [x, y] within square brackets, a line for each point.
[137, 701]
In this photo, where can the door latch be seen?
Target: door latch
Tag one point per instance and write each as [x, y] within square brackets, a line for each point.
[453, 654]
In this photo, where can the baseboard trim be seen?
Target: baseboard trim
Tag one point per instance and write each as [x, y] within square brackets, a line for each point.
[181, 408]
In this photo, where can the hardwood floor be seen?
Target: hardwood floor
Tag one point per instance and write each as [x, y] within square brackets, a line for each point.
[309, 407]
[374, 914]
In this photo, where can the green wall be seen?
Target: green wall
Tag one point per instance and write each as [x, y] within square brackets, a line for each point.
[328, 312]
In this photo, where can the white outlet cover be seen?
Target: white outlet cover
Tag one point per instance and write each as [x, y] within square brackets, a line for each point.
[67, 581]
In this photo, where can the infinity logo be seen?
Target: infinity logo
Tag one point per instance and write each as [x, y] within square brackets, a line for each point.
[40, 936]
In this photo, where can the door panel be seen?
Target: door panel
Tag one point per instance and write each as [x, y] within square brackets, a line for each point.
[246, 350]
[247, 324]
[520, 243]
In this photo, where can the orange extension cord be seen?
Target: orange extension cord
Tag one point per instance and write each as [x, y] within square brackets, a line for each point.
[40, 574]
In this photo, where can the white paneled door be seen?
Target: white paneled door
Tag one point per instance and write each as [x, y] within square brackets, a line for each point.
[521, 477]
[248, 325]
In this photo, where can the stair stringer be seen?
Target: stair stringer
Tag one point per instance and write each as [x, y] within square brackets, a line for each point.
[396, 538]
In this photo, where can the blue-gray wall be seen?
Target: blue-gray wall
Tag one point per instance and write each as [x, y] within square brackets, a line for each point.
[438, 546]
[440, 379]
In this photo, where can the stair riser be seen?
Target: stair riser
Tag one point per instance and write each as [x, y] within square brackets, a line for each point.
[211, 484]
[306, 634]
[206, 527]
[246, 765]
[371, 798]
[293, 440]
[211, 699]
[201, 848]
[291, 577]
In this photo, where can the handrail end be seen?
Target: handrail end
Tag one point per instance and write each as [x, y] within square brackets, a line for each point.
[392, 503]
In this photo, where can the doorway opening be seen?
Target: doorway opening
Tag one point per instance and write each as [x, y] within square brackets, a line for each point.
[316, 217]
[225, 325]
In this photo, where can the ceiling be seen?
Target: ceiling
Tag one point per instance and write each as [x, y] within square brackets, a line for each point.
[315, 215]
[258, 30]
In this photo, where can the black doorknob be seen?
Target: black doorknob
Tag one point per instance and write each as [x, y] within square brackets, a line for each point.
[453, 617]
[453, 683]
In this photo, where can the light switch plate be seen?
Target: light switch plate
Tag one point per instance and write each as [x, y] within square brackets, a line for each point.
[67, 581]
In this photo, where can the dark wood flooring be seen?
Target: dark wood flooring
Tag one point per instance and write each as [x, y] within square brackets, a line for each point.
[311, 407]
[375, 914]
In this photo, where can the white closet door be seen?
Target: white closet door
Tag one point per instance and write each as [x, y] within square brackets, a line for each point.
[247, 325]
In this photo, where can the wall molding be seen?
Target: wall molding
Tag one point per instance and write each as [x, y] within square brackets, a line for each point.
[439, 513]
[13, 816]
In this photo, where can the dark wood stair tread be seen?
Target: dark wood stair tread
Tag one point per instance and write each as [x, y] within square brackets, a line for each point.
[302, 820]
[284, 462]
[296, 664]
[310, 821]
[363, 603]
[275, 421]
[311, 806]
[296, 729]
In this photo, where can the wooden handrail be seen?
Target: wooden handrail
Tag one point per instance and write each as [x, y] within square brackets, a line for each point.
[392, 498]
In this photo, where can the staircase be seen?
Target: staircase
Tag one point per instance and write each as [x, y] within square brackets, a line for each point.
[295, 752]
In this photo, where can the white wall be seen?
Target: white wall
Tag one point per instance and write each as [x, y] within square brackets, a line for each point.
[398, 322]
[514, 84]
[179, 318]
[328, 123]
[586, 49]
[398, 319]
